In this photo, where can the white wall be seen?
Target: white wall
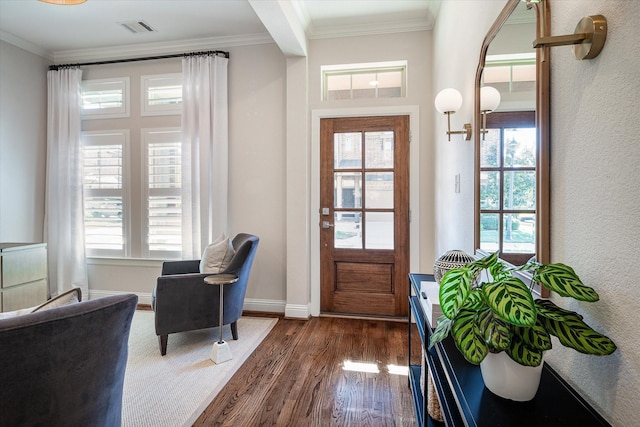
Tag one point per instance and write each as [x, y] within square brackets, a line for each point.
[594, 183]
[23, 127]
[457, 38]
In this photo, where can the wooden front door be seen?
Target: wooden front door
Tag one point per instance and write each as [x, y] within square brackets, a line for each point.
[364, 215]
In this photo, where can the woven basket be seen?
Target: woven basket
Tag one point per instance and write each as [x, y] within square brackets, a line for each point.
[433, 406]
[449, 261]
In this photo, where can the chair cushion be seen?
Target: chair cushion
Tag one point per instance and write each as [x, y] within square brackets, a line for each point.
[217, 256]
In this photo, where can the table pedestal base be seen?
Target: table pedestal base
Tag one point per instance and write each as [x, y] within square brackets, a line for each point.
[221, 352]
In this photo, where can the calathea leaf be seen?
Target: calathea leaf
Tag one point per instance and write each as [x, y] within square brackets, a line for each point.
[524, 355]
[475, 300]
[486, 262]
[498, 271]
[441, 331]
[511, 300]
[531, 266]
[454, 289]
[549, 310]
[535, 337]
[574, 333]
[468, 337]
[563, 280]
[496, 332]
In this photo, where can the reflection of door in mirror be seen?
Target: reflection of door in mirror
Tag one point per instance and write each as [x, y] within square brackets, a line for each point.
[507, 214]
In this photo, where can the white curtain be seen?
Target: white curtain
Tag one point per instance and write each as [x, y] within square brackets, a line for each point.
[204, 152]
[64, 218]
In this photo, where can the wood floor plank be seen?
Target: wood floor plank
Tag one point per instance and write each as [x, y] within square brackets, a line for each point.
[297, 377]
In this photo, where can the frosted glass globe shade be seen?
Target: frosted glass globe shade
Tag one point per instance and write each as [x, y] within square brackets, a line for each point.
[448, 100]
[489, 98]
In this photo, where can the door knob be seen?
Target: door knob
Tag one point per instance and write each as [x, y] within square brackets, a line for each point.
[326, 224]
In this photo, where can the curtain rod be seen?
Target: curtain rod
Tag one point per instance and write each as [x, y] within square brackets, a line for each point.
[148, 58]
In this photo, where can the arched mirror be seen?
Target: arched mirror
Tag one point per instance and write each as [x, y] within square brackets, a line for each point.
[512, 136]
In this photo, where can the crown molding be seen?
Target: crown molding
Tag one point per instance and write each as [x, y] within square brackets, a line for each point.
[25, 45]
[160, 48]
[352, 30]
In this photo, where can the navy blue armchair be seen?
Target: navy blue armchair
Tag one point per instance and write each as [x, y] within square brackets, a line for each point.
[183, 302]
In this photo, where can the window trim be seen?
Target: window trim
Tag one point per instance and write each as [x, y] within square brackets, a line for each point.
[327, 71]
[125, 193]
[158, 110]
[109, 113]
[145, 192]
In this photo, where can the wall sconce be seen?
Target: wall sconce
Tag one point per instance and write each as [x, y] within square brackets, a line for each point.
[489, 101]
[588, 38]
[448, 101]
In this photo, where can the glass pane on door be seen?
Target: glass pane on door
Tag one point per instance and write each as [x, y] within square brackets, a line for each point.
[519, 233]
[489, 236]
[378, 190]
[347, 150]
[378, 150]
[347, 190]
[347, 230]
[489, 189]
[379, 230]
[520, 147]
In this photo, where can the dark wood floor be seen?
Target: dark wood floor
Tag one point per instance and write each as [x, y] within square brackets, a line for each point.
[296, 377]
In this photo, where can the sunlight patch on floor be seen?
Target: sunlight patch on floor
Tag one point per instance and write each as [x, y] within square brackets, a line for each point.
[372, 368]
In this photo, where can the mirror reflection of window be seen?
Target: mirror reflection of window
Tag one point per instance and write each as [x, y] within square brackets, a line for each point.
[508, 186]
[507, 213]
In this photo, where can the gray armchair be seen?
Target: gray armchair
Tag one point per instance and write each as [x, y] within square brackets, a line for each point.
[183, 302]
[65, 366]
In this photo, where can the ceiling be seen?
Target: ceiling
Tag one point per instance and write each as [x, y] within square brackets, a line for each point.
[93, 29]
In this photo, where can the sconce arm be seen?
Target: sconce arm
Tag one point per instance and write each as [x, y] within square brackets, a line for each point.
[466, 132]
[562, 40]
[588, 38]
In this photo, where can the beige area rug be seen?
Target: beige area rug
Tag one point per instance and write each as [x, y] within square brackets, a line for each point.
[173, 390]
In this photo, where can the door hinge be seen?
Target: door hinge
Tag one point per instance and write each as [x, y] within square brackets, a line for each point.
[409, 215]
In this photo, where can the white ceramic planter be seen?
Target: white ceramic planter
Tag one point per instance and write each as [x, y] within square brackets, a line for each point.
[508, 379]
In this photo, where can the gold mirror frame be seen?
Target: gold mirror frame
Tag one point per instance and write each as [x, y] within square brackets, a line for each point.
[542, 115]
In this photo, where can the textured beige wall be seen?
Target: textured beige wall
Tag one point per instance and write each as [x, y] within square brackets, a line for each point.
[594, 181]
[595, 198]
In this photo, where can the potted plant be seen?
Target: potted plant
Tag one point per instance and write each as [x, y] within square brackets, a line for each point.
[488, 310]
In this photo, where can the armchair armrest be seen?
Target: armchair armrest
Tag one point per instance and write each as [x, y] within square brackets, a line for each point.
[181, 267]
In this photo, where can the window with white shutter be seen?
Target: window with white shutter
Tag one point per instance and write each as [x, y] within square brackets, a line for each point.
[163, 201]
[105, 98]
[161, 94]
[103, 175]
[132, 169]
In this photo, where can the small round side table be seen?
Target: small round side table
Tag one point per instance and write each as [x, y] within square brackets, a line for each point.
[220, 351]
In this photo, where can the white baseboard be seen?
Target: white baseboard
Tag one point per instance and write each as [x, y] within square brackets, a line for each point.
[250, 304]
[143, 297]
[266, 305]
[297, 311]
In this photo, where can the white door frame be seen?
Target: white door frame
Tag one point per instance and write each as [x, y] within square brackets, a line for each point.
[413, 111]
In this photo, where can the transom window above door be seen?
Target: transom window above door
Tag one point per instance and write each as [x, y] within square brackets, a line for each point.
[371, 80]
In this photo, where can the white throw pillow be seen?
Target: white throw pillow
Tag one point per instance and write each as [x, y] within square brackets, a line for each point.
[71, 296]
[217, 256]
